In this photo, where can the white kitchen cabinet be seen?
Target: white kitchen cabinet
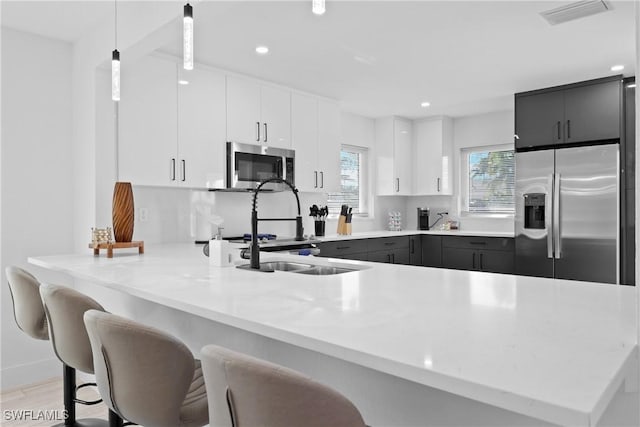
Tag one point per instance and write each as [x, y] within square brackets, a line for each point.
[148, 123]
[315, 130]
[201, 140]
[394, 156]
[258, 114]
[433, 148]
[171, 134]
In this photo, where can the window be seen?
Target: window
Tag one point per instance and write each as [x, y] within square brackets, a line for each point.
[353, 182]
[488, 180]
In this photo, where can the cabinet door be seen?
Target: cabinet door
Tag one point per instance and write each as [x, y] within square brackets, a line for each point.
[432, 167]
[401, 256]
[431, 251]
[415, 250]
[328, 146]
[201, 129]
[243, 111]
[539, 119]
[496, 261]
[385, 177]
[275, 113]
[380, 256]
[148, 123]
[460, 259]
[592, 112]
[402, 158]
[304, 132]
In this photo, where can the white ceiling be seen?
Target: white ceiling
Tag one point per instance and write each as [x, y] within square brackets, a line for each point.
[383, 58]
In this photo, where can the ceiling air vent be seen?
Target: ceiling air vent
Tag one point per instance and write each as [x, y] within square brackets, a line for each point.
[576, 10]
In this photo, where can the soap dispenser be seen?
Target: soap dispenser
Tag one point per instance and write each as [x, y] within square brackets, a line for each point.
[219, 253]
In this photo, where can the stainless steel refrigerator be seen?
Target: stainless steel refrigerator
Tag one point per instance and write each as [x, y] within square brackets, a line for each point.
[567, 202]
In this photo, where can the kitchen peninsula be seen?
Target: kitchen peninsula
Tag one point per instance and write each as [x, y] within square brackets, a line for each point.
[409, 345]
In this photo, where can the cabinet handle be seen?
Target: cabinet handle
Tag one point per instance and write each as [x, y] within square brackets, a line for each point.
[321, 179]
[438, 184]
[568, 129]
[266, 136]
[184, 170]
[389, 243]
[258, 131]
[477, 243]
[558, 126]
[397, 185]
[315, 173]
[172, 172]
[389, 258]
[412, 242]
[343, 247]
[481, 261]
[473, 261]
[393, 258]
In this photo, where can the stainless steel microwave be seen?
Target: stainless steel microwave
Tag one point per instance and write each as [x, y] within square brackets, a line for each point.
[249, 164]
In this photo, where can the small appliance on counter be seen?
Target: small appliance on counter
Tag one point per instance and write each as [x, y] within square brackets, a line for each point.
[423, 218]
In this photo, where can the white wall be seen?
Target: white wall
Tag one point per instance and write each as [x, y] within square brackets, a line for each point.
[472, 131]
[37, 187]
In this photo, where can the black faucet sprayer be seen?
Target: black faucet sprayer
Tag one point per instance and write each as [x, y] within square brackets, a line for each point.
[255, 250]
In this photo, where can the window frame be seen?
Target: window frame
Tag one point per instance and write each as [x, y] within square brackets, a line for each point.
[363, 187]
[464, 181]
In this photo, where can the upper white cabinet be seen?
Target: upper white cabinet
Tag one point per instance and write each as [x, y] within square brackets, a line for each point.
[394, 156]
[171, 134]
[201, 129]
[433, 156]
[315, 130]
[258, 114]
[147, 149]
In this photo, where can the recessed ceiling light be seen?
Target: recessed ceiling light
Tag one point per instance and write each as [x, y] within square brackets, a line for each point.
[617, 68]
[183, 82]
[262, 50]
[425, 104]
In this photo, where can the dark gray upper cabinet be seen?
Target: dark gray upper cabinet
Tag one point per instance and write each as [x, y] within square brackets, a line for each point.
[577, 113]
[539, 119]
[592, 112]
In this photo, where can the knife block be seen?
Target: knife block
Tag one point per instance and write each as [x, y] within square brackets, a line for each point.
[342, 225]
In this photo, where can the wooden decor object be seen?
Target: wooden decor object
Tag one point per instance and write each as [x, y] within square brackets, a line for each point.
[122, 212]
[110, 246]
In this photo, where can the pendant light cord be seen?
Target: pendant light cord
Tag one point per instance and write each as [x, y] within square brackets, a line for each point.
[115, 23]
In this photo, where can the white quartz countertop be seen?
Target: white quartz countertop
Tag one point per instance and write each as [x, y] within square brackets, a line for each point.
[384, 233]
[553, 349]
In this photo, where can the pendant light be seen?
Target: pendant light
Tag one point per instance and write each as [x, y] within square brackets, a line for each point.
[115, 60]
[188, 37]
[317, 7]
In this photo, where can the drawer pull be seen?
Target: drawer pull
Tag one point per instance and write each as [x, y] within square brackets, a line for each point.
[477, 243]
[343, 247]
[389, 243]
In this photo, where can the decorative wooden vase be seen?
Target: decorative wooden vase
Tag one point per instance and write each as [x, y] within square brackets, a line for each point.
[122, 212]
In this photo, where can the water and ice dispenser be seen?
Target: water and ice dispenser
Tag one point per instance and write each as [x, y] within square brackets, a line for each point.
[534, 207]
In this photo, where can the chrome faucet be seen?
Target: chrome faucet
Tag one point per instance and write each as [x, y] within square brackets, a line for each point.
[255, 249]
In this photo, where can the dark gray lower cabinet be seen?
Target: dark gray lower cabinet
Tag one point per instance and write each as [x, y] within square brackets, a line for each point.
[431, 251]
[491, 254]
[415, 250]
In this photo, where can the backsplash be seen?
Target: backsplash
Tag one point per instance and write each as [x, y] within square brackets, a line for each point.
[181, 215]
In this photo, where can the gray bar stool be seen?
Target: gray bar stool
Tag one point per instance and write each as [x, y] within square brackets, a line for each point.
[145, 375]
[64, 308]
[245, 391]
[27, 305]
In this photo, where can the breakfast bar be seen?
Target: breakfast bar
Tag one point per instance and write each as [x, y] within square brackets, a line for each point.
[409, 345]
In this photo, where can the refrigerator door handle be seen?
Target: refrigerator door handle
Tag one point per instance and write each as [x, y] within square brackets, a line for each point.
[556, 217]
[548, 209]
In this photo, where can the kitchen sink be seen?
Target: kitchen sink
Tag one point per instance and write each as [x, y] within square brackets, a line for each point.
[324, 270]
[300, 268]
[284, 266]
